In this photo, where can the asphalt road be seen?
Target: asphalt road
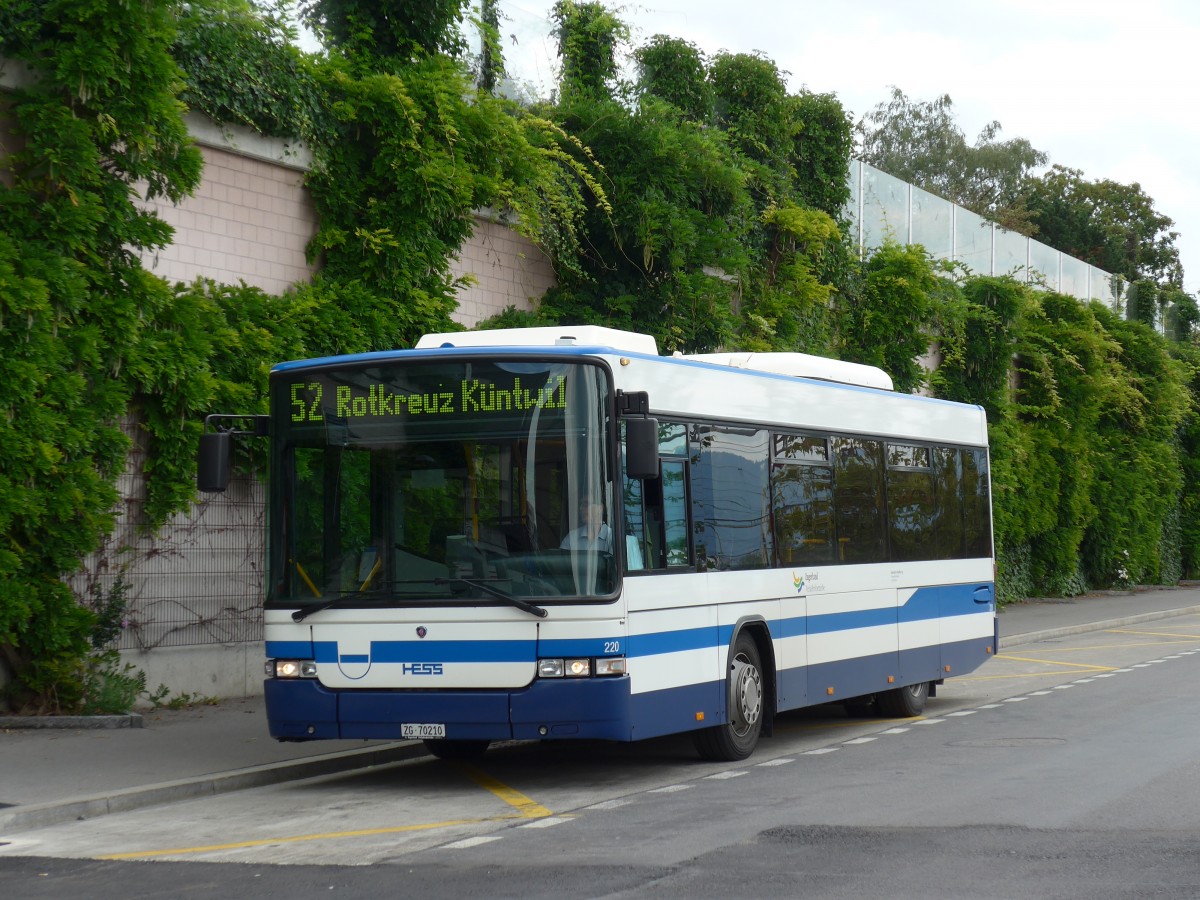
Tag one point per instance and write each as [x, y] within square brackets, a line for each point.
[1062, 769]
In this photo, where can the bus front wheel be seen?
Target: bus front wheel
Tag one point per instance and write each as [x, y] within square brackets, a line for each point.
[737, 738]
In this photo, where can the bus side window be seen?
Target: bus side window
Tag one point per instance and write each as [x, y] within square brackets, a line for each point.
[656, 511]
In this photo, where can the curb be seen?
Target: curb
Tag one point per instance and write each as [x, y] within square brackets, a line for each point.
[1032, 637]
[41, 815]
[131, 720]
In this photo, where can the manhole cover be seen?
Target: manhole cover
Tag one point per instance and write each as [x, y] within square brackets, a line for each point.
[1010, 742]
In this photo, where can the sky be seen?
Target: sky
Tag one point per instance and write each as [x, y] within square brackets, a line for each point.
[1110, 88]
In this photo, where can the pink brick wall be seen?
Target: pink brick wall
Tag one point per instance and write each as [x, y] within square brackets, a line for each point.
[508, 271]
[249, 220]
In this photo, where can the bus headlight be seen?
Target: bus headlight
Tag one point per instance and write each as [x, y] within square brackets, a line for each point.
[581, 668]
[291, 668]
[610, 665]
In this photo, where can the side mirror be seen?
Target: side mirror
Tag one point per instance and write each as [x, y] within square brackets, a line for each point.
[641, 448]
[214, 461]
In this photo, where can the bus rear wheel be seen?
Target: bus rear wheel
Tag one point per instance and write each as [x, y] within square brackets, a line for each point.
[904, 702]
[444, 749]
[738, 737]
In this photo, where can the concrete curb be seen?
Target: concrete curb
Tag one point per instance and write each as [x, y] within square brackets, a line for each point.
[41, 815]
[1049, 634]
[131, 720]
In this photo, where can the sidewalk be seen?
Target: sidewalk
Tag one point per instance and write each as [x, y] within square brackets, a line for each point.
[55, 775]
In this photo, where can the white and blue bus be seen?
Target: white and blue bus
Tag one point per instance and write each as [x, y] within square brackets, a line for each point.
[557, 533]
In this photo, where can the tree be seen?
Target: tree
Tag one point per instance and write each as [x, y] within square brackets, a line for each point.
[921, 142]
[676, 71]
[401, 30]
[1111, 225]
[588, 39]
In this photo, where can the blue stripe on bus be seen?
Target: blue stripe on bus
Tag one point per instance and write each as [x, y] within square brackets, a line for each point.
[925, 604]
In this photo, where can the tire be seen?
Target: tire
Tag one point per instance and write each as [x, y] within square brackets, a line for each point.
[444, 749]
[904, 702]
[738, 737]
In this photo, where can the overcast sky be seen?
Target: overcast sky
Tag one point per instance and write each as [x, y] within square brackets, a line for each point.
[1111, 88]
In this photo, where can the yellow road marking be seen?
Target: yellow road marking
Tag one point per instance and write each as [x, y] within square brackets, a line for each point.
[1152, 633]
[1058, 662]
[528, 808]
[1186, 639]
[264, 842]
[1020, 675]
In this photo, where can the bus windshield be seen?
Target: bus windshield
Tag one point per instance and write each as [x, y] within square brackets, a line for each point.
[449, 482]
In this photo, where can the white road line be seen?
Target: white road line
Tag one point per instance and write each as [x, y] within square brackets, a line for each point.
[670, 789]
[962, 712]
[721, 776]
[782, 761]
[861, 740]
[546, 822]
[928, 721]
[895, 731]
[472, 842]
[1014, 699]
[611, 804]
[819, 751]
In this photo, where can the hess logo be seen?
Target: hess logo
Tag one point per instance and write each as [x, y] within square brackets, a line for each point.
[421, 668]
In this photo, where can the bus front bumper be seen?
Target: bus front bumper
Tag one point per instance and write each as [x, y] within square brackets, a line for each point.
[592, 708]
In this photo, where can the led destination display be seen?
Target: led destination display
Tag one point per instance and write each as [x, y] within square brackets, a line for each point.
[311, 400]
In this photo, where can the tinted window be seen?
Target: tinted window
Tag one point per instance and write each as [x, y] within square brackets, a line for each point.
[977, 526]
[858, 480]
[730, 491]
[803, 508]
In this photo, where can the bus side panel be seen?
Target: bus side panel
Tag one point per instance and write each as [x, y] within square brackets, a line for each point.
[676, 666]
[920, 635]
[852, 644]
[968, 626]
[791, 656]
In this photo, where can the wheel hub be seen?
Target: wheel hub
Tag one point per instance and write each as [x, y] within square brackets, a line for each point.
[747, 695]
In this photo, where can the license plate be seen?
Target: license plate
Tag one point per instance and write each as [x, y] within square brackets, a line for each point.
[422, 730]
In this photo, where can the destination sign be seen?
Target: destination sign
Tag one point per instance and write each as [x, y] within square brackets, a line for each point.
[311, 401]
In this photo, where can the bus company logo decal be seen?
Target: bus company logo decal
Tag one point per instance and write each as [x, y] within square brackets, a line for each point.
[422, 668]
[422, 631]
[798, 580]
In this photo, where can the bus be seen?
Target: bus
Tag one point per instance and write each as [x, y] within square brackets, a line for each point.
[560, 534]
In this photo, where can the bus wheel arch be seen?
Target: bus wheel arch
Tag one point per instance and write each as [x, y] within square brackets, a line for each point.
[750, 696]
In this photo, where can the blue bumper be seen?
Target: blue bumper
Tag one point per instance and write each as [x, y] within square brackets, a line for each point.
[597, 708]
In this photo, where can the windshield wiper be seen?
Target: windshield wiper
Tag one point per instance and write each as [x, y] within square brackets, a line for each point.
[508, 598]
[304, 612]
[373, 595]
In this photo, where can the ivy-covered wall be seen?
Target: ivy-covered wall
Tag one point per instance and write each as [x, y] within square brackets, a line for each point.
[701, 202]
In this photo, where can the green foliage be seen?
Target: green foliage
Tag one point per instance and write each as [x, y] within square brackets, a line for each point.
[676, 71]
[885, 323]
[396, 30]
[822, 141]
[100, 117]
[1110, 225]
[589, 37]
[242, 67]
[977, 359]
